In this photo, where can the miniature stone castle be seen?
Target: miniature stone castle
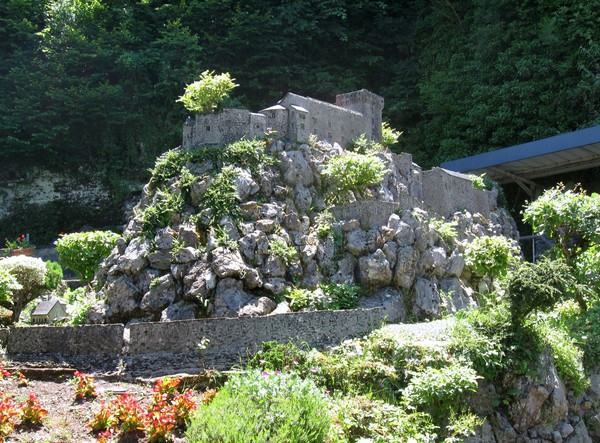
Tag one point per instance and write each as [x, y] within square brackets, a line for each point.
[294, 118]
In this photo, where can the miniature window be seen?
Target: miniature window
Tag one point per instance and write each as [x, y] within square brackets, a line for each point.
[207, 128]
[301, 125]
[329, 135]
[329, 124]
[302, 116]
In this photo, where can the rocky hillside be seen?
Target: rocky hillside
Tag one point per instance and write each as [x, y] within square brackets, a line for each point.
[260, 227]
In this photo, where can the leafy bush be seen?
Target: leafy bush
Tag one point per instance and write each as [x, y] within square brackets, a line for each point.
[389, 136]
[569, 217]
[160, 213]
[568, 357]
[446, 230]
[30, 273]
[330, 296]
[354, 171]
[82, 252]
[479, 336]
[342, 295]
[362, 145]
[248, 154]
[220, 196]
[539, 286]
[439, 391]
[168, 165]
[492, 256]
[279, 248]
[363, 417]
[54, 274]
[8, 284]
[259, 407]
[207, 93]
[585, 328]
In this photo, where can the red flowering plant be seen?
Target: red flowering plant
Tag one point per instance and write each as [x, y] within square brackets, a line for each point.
[158, 425]
[32, 412]
[21, 242]
[9, 412]
[129, 413]
[3, 372]
[84, 386]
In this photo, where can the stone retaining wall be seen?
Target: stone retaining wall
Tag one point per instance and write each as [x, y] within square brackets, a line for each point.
[175, 344]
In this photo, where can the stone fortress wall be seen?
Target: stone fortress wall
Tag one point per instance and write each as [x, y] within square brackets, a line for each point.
[296, 118]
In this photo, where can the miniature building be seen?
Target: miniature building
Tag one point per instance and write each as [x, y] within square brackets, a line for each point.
[294, 118]
[49, 311]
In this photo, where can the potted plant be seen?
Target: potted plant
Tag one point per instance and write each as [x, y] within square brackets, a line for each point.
[20, 246]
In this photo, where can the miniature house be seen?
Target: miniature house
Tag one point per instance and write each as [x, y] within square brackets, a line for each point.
[49, 311]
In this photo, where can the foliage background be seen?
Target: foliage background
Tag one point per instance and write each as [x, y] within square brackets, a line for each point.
[92, 84]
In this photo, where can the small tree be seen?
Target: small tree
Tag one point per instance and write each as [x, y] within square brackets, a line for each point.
[569, 217]
[492, 256]
[207, 93]
[83, 252]
[30, 274]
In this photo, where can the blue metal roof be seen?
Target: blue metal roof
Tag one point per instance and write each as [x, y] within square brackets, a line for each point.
[549, 156]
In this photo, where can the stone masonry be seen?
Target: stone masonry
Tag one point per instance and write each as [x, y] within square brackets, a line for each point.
[294, 118]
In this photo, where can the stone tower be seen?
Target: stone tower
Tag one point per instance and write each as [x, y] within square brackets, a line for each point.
[370, 105]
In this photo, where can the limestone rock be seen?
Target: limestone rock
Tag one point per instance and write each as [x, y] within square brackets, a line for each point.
[245, 186]
[135, 257]
[160, 295]
[374, 270]
[356, 242]
[404, 272]
[455, 297]
[258, 306]
[580, 434]
[390, 299]
[275, 286]
[296, 170]
[227, 263]
[122, 297]
[427, 299]
[405, 235]
[455, 264]
[345, 272]
[181, 310]
[230, 297]
[188, 235]
[164, 239]
[160, 260]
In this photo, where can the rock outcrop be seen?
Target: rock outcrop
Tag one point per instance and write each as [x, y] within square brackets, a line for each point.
[190, 252]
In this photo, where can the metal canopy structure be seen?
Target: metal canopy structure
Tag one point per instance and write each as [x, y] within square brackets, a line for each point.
[523, 163]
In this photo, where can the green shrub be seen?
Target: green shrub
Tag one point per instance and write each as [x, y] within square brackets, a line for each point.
[585, 328]
[363, 417]
[248, 154]
[389, 136]
[361, 145]
[568, 357]
[445, 230]
[333, 296]
[480, 336]
[82, 252]
[207, 93]
[492, 256]
[260, 407]
[279, 248]
[54, 274]
[354, 171]
[30, 273]
[160, 213]
[8, 284]
[569, 217]
[440, 391]
[341, 295]
[78, 305]
[220, 196]
[168, 165]
[478, 181]
[539, 286]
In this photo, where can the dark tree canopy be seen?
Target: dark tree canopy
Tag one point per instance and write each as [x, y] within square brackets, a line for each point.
[93, 83]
